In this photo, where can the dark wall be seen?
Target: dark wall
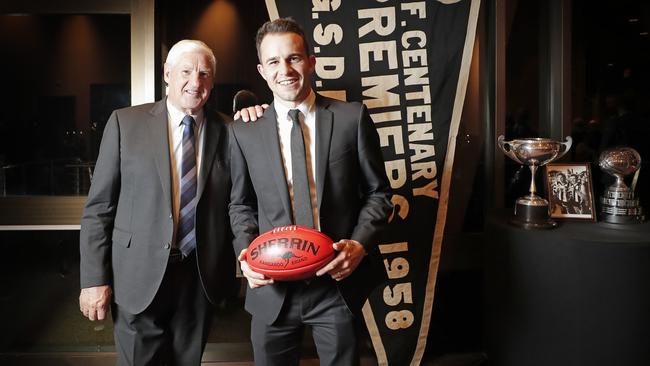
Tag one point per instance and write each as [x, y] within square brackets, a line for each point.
[62, 73]
[228, 27]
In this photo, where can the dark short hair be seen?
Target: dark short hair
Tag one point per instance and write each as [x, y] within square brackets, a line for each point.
[280, 25]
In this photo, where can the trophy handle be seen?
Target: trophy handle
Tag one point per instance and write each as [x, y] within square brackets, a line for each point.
[634, 180]
[565, 147]
[506, 147]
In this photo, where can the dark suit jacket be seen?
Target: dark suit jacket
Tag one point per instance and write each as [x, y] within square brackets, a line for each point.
[127, 225]
[353, 192]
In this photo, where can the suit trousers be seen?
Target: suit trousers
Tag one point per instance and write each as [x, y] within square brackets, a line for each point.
[173, 329]
[319, 305]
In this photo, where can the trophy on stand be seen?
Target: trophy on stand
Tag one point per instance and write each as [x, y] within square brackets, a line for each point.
[532, 211]
[618, 205]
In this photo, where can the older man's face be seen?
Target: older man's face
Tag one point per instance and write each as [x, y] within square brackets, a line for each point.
[189, 81]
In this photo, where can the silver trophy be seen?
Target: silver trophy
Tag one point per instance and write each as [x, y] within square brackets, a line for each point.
[618, 204]
[532, 211]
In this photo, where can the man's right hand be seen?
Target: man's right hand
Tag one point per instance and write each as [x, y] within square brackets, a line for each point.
[255, 279]
[95, 301]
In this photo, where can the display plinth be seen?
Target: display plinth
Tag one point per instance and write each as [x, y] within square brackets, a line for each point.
[575, 295]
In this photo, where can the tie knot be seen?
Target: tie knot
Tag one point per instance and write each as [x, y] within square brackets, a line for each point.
[188, 121]
[293, 114]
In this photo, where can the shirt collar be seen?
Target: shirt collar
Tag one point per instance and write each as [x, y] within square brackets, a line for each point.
[176, 115]
[305, 107]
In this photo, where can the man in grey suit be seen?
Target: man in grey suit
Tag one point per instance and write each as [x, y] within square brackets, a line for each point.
[155, 237]
[339, 187]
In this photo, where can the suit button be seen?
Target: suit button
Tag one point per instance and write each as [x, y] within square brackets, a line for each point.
[167, 246]
[170, 216]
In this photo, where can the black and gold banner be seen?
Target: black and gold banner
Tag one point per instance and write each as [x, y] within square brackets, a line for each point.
[408, 61]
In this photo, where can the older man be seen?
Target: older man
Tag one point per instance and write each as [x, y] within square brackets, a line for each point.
[155, 238]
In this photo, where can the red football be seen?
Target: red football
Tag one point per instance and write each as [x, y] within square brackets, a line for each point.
[289, 253]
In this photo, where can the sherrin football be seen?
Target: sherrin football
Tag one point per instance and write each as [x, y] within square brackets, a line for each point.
[289, 253]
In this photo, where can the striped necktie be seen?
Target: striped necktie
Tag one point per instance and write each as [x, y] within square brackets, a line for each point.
[186, 236]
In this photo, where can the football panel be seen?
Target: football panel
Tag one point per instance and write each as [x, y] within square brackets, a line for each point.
[295, 273]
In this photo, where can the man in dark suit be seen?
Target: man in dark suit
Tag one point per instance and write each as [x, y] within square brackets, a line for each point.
[155, 236]
[313, 161]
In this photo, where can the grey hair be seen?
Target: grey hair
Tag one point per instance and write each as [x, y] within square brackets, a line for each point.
[190, 45]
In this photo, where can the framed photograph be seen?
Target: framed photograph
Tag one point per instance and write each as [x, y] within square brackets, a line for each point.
[570, 192]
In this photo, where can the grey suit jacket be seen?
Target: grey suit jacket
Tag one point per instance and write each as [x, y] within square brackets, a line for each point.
[127, 225]
[352, 189]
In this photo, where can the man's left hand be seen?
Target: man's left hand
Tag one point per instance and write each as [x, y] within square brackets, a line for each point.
[350, 254]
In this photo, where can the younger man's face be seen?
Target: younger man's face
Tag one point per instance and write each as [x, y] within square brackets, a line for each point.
[286, 67]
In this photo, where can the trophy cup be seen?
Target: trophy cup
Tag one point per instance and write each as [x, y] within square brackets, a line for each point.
[618, 205]
[532, 211]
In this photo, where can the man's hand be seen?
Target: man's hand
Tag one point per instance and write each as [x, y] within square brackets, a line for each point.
[251, 113]
[94, 301]
[351, 252]
[255, 279]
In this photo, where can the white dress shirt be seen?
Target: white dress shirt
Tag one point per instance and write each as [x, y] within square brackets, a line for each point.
[308, 122]
[175, 136]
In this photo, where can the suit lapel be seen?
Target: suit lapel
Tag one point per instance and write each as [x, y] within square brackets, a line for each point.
[269, 130]
[324, 121]
[159, 144]
[211, 135]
